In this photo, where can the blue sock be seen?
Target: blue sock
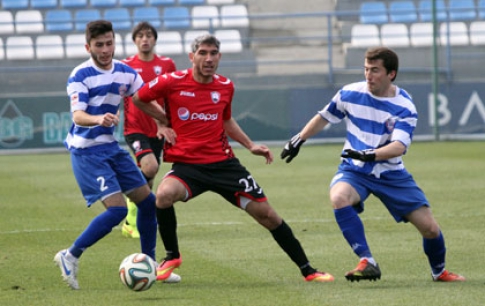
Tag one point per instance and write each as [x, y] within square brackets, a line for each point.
[353, 230]
[146, 221]
[436, 251]
[99, 227]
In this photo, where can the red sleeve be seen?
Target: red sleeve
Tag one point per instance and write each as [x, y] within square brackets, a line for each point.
[228, 110]
[172, 67]
[153, 90]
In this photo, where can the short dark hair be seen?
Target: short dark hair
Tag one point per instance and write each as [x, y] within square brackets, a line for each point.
[206, 39]
[389, 58]
[98, 27]
[144, 25]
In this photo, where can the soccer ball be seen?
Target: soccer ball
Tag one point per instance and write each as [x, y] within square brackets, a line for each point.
[138, 272]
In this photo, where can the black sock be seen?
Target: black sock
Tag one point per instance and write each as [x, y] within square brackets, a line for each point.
[167, 227]
[307, 270]
[288, 242]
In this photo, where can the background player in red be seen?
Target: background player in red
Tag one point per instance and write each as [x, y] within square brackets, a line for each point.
[198, 106]
[140, 129]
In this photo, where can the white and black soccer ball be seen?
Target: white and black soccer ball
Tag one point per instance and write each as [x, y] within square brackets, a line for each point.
[138, 272]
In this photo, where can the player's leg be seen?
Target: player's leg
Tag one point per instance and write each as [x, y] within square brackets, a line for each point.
[99, 227]
[149, 168]
[129, 228]
[433, 244]
[102, 224]
[265, 215]
[170, 190]
[347, 202]
[147, 223]
[131, 180]
[88, 169]
[146, 220]
[407, 202]
[147, 155]
[239, 187]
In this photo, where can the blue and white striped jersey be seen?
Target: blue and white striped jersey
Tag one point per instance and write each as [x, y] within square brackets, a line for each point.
[96, 92]
[372, 122]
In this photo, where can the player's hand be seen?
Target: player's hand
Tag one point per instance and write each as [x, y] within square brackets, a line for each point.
[363, 155]
[292, 148]
[167, 133]
[262, 150]
[109, 120]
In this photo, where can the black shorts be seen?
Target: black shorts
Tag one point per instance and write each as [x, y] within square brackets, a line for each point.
[142, 145]
[228, 178]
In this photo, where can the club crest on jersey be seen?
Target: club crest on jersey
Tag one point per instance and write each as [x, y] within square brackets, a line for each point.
[390, 123]
[216, 96]
[122, 90]
[157, 70]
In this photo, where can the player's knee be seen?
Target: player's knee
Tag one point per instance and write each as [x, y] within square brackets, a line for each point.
[264, 214]
[149, 171]
[171, 190]
[166, 197]
[431, 231]
[340, 201]
[342, 195]
[139, 194]
[118, 213]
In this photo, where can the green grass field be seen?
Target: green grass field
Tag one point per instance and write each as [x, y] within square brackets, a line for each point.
[228, 258]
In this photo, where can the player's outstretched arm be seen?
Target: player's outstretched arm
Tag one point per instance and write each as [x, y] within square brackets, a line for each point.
[234, 131]
[292, 147]
[151, 108]
[262, 150]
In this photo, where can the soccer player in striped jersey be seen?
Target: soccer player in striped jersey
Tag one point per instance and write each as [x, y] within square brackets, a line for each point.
[140, 129]
[103, 170]
[198, 105]
[380, 118]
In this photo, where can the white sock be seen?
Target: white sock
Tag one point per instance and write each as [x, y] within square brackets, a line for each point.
[435, 276]
[370, 260]
[71, 257]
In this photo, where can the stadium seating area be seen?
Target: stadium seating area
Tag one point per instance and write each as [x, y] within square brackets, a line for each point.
[407, 26]
[456, 33]
[53, 29]
[379, 12]
[408, 23]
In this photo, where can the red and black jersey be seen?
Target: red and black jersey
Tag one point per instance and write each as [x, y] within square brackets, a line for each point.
[197, 113]
[136, 121]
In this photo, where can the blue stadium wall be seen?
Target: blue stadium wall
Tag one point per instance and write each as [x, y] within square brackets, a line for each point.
[42, 122]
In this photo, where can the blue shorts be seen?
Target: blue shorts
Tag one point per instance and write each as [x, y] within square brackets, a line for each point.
[397, 190]
[105, 171]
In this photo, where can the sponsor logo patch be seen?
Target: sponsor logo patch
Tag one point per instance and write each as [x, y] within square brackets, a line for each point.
[187, 93]
[183, 113]
[74, 99]
[153, 83]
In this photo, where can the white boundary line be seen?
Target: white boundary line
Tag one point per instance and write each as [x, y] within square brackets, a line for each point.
[179, 225]
[289, 221]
